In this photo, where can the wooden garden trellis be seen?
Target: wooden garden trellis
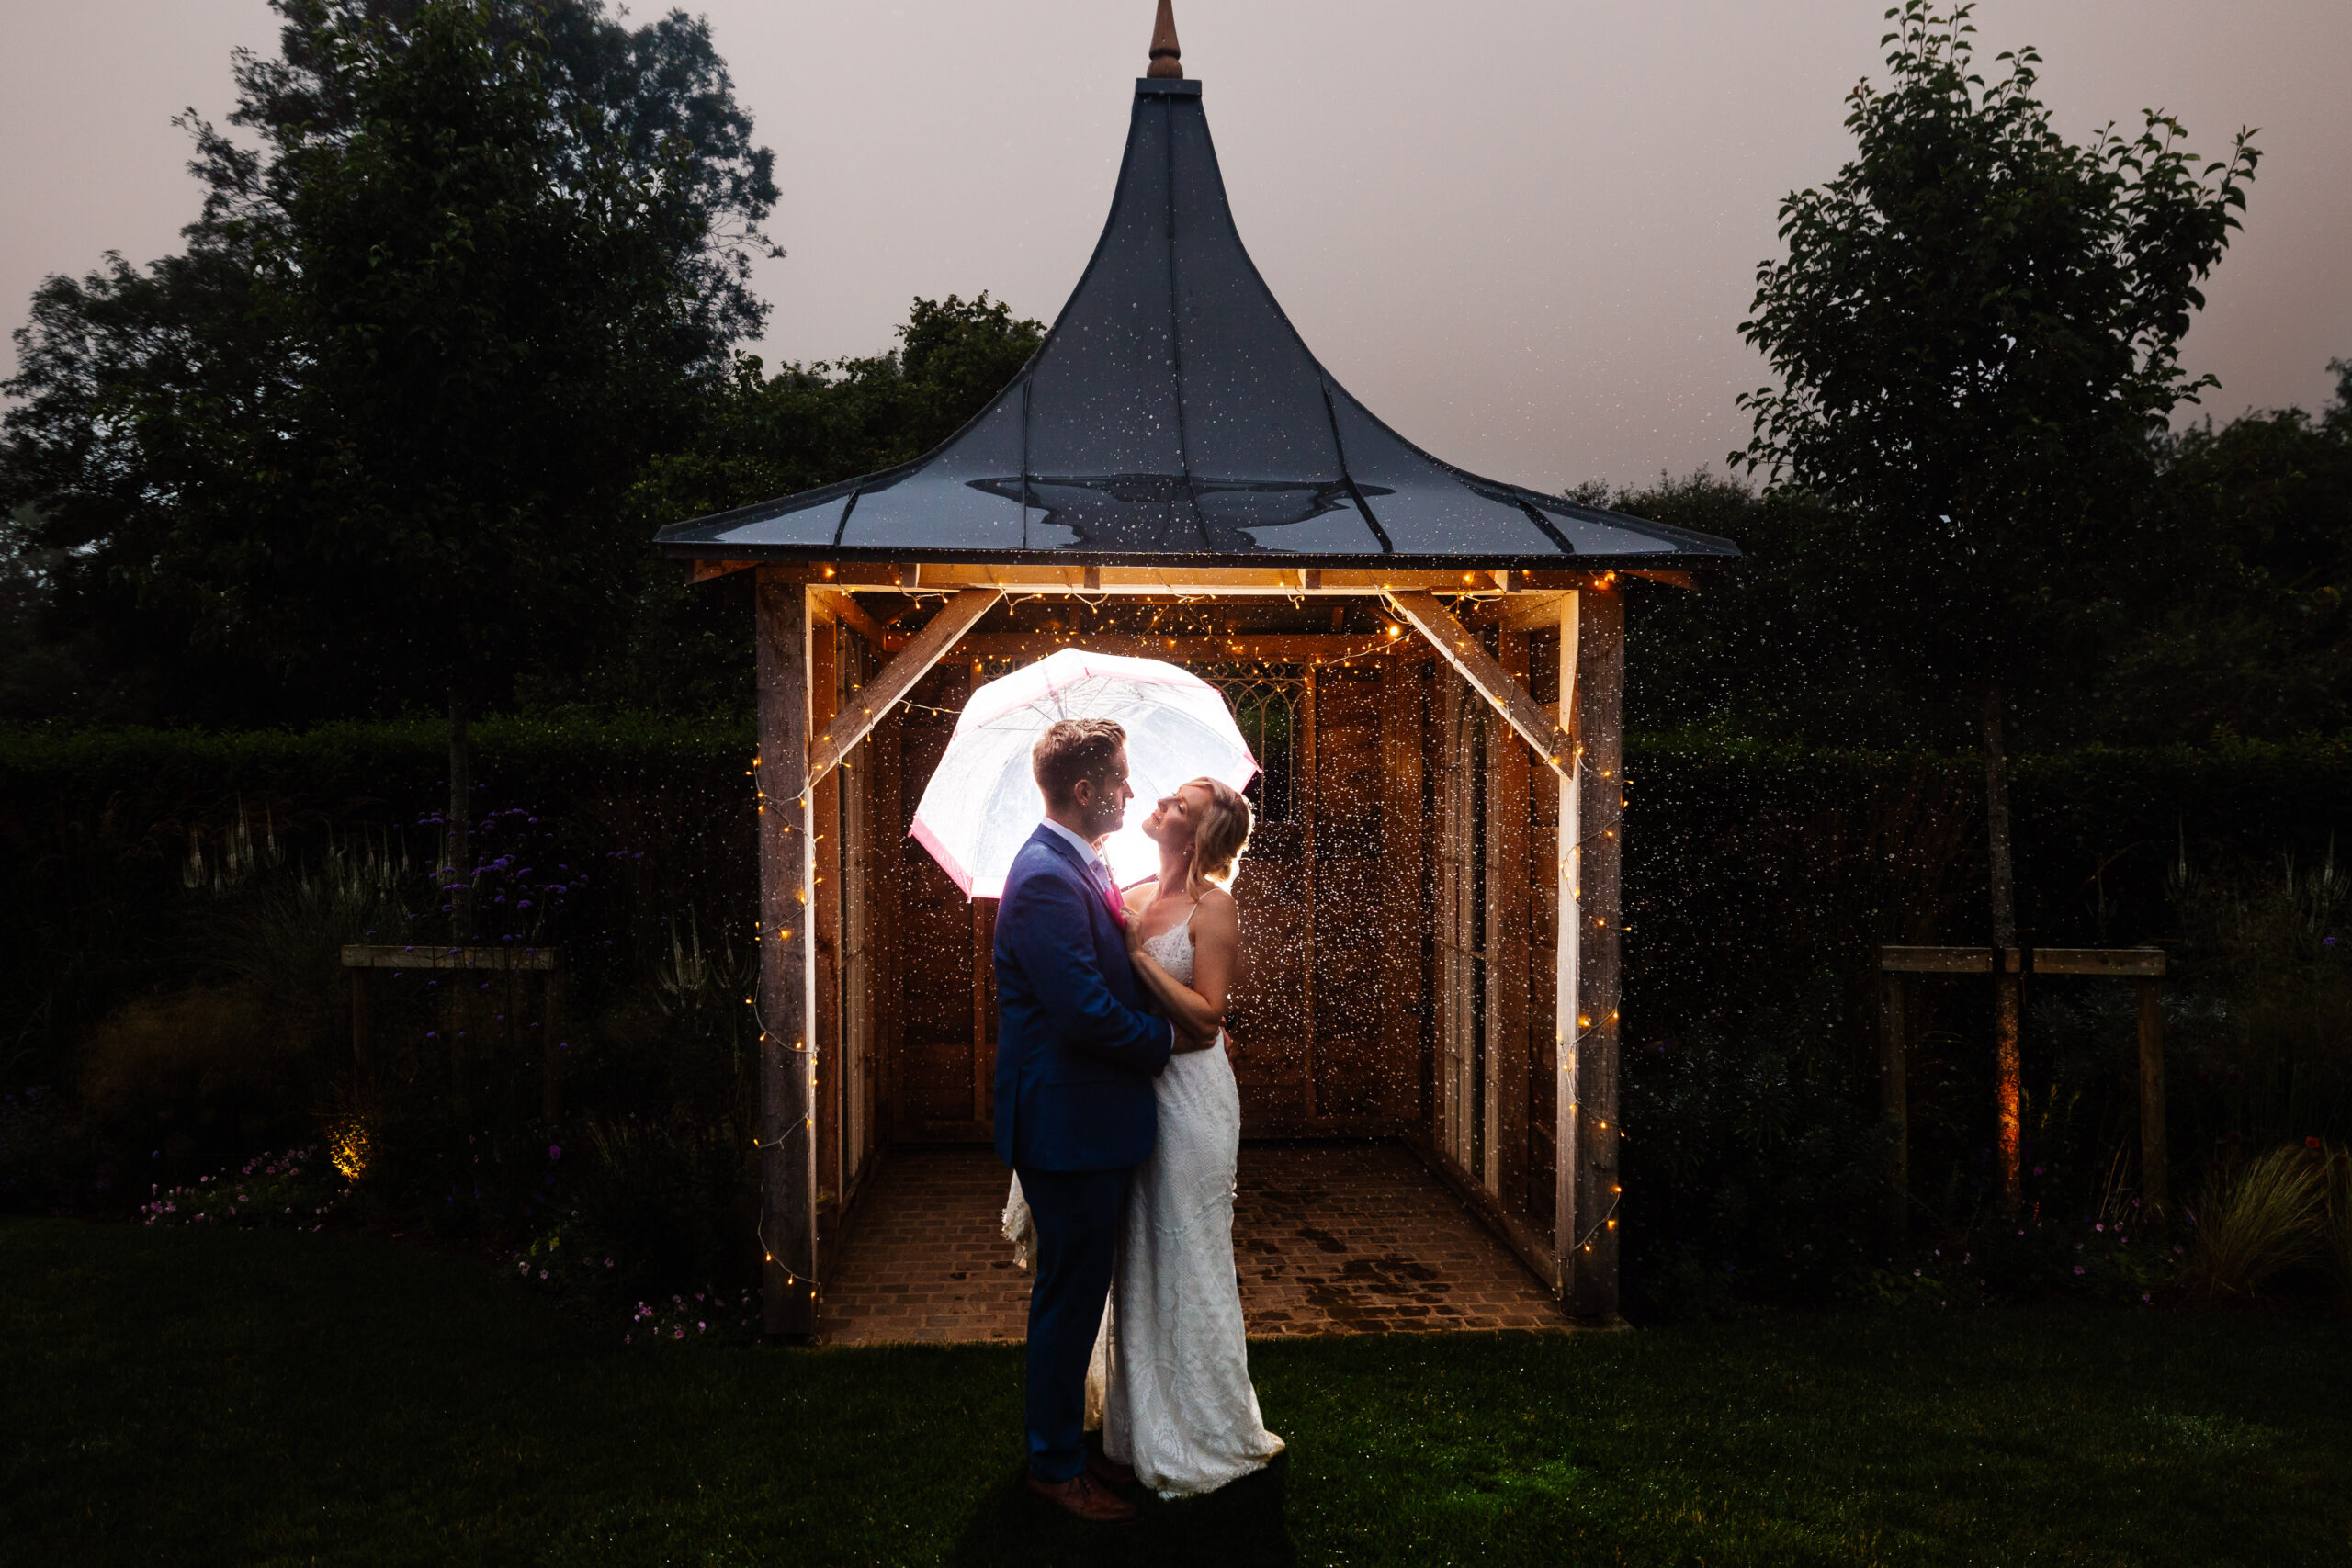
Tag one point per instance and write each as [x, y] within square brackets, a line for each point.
[2009, 967]
[365, 959]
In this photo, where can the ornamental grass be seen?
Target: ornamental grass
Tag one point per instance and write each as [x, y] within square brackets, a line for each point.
[2259, 1218]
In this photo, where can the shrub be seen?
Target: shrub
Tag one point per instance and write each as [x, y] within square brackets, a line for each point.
[1752, 1171]
[2336, 1163]
[2257, 1218]
[48, 1160]
[296, 1188]
[201, 1068]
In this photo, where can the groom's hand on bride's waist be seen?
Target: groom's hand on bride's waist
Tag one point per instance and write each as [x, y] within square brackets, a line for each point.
[1187, 1040]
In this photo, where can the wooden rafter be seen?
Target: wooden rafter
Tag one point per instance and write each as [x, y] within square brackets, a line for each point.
[1554, 745]
[1168, 581]
[898, 678]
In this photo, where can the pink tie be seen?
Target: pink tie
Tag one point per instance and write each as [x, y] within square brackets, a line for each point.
[1110, 894]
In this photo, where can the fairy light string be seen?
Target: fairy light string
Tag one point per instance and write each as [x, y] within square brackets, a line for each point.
[1244, 664]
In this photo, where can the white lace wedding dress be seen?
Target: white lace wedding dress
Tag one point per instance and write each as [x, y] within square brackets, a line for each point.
[1171, 1374]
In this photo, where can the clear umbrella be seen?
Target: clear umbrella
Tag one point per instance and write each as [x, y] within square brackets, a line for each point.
[981, 804]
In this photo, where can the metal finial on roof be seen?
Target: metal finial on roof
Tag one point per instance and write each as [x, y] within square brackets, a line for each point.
[1167, 57]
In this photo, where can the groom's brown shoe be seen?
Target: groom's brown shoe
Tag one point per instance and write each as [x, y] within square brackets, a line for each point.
[1084, 1496]
[1110, 1470]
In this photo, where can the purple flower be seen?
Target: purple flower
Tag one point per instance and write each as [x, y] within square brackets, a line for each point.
[555, 1151]
[2078, 1268]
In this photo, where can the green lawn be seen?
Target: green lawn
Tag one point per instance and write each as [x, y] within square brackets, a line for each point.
[267, 1397]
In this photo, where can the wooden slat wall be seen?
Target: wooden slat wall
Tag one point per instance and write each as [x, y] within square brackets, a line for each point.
[1544, 848]
[886, 816]
[935, 1082]
[1505, 920]
[1459, 922]
[1355, 910]
[1404, 840]
[825, 920]
[1270, 1017]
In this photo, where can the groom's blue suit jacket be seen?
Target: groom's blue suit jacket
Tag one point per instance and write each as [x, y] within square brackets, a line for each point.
[1075, 1053]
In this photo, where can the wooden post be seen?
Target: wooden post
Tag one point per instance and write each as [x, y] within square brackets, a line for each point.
[2155, 1188]
[363, 1028]
[1894, 1102]
[828, 1059]
[1401, 1001]
[552, 1044]
[886, 766]
[1505, 920]
[1600, 673]
[788, 974]
[1303, 767]
[2009, 1089]
[1567, 1143]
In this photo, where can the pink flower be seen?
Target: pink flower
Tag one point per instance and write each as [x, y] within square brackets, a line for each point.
[2078, 1268]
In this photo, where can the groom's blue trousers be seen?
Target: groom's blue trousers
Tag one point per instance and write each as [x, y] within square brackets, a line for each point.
[1076, 1213]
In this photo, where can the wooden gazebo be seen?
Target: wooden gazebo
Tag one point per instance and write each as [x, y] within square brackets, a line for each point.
[1430, 941]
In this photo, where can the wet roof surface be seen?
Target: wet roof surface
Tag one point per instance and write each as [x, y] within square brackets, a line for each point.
[1173, 414]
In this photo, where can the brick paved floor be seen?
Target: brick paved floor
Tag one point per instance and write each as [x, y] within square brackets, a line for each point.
[1329, 1238]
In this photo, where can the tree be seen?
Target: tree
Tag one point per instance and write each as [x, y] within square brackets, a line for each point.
[757, 435]
[371, 433]
[1976, 330]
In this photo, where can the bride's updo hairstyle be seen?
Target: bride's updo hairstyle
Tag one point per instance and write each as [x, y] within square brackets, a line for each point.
[1221, 835]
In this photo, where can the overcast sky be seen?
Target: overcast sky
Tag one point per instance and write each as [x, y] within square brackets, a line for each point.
[1524, 232]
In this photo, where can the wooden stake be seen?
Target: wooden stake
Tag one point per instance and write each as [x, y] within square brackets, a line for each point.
[551, 1044]
[787, 1136]
[2155, 1188]
[1894, 1102]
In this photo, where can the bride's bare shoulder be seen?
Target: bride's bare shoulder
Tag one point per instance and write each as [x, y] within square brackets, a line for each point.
[1220, 906]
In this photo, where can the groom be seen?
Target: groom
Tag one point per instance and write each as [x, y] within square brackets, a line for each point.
[1075, 1057]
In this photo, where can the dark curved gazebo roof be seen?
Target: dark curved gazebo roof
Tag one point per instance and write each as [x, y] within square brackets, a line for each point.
[1173, 416]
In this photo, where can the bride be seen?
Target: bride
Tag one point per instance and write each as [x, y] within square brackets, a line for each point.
[1178, 1407]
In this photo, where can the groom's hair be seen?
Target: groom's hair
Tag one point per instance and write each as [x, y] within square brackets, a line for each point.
[1071, 750]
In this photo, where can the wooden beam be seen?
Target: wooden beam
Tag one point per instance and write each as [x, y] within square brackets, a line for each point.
[1592, 1291]
[1517, 612]
[704, 571]
[899, 677]
[787, 1231]
[1936, 960]
[2122, 963]
[1521, 712]
[1179, 581]
[844, 607]
[1279, 648]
